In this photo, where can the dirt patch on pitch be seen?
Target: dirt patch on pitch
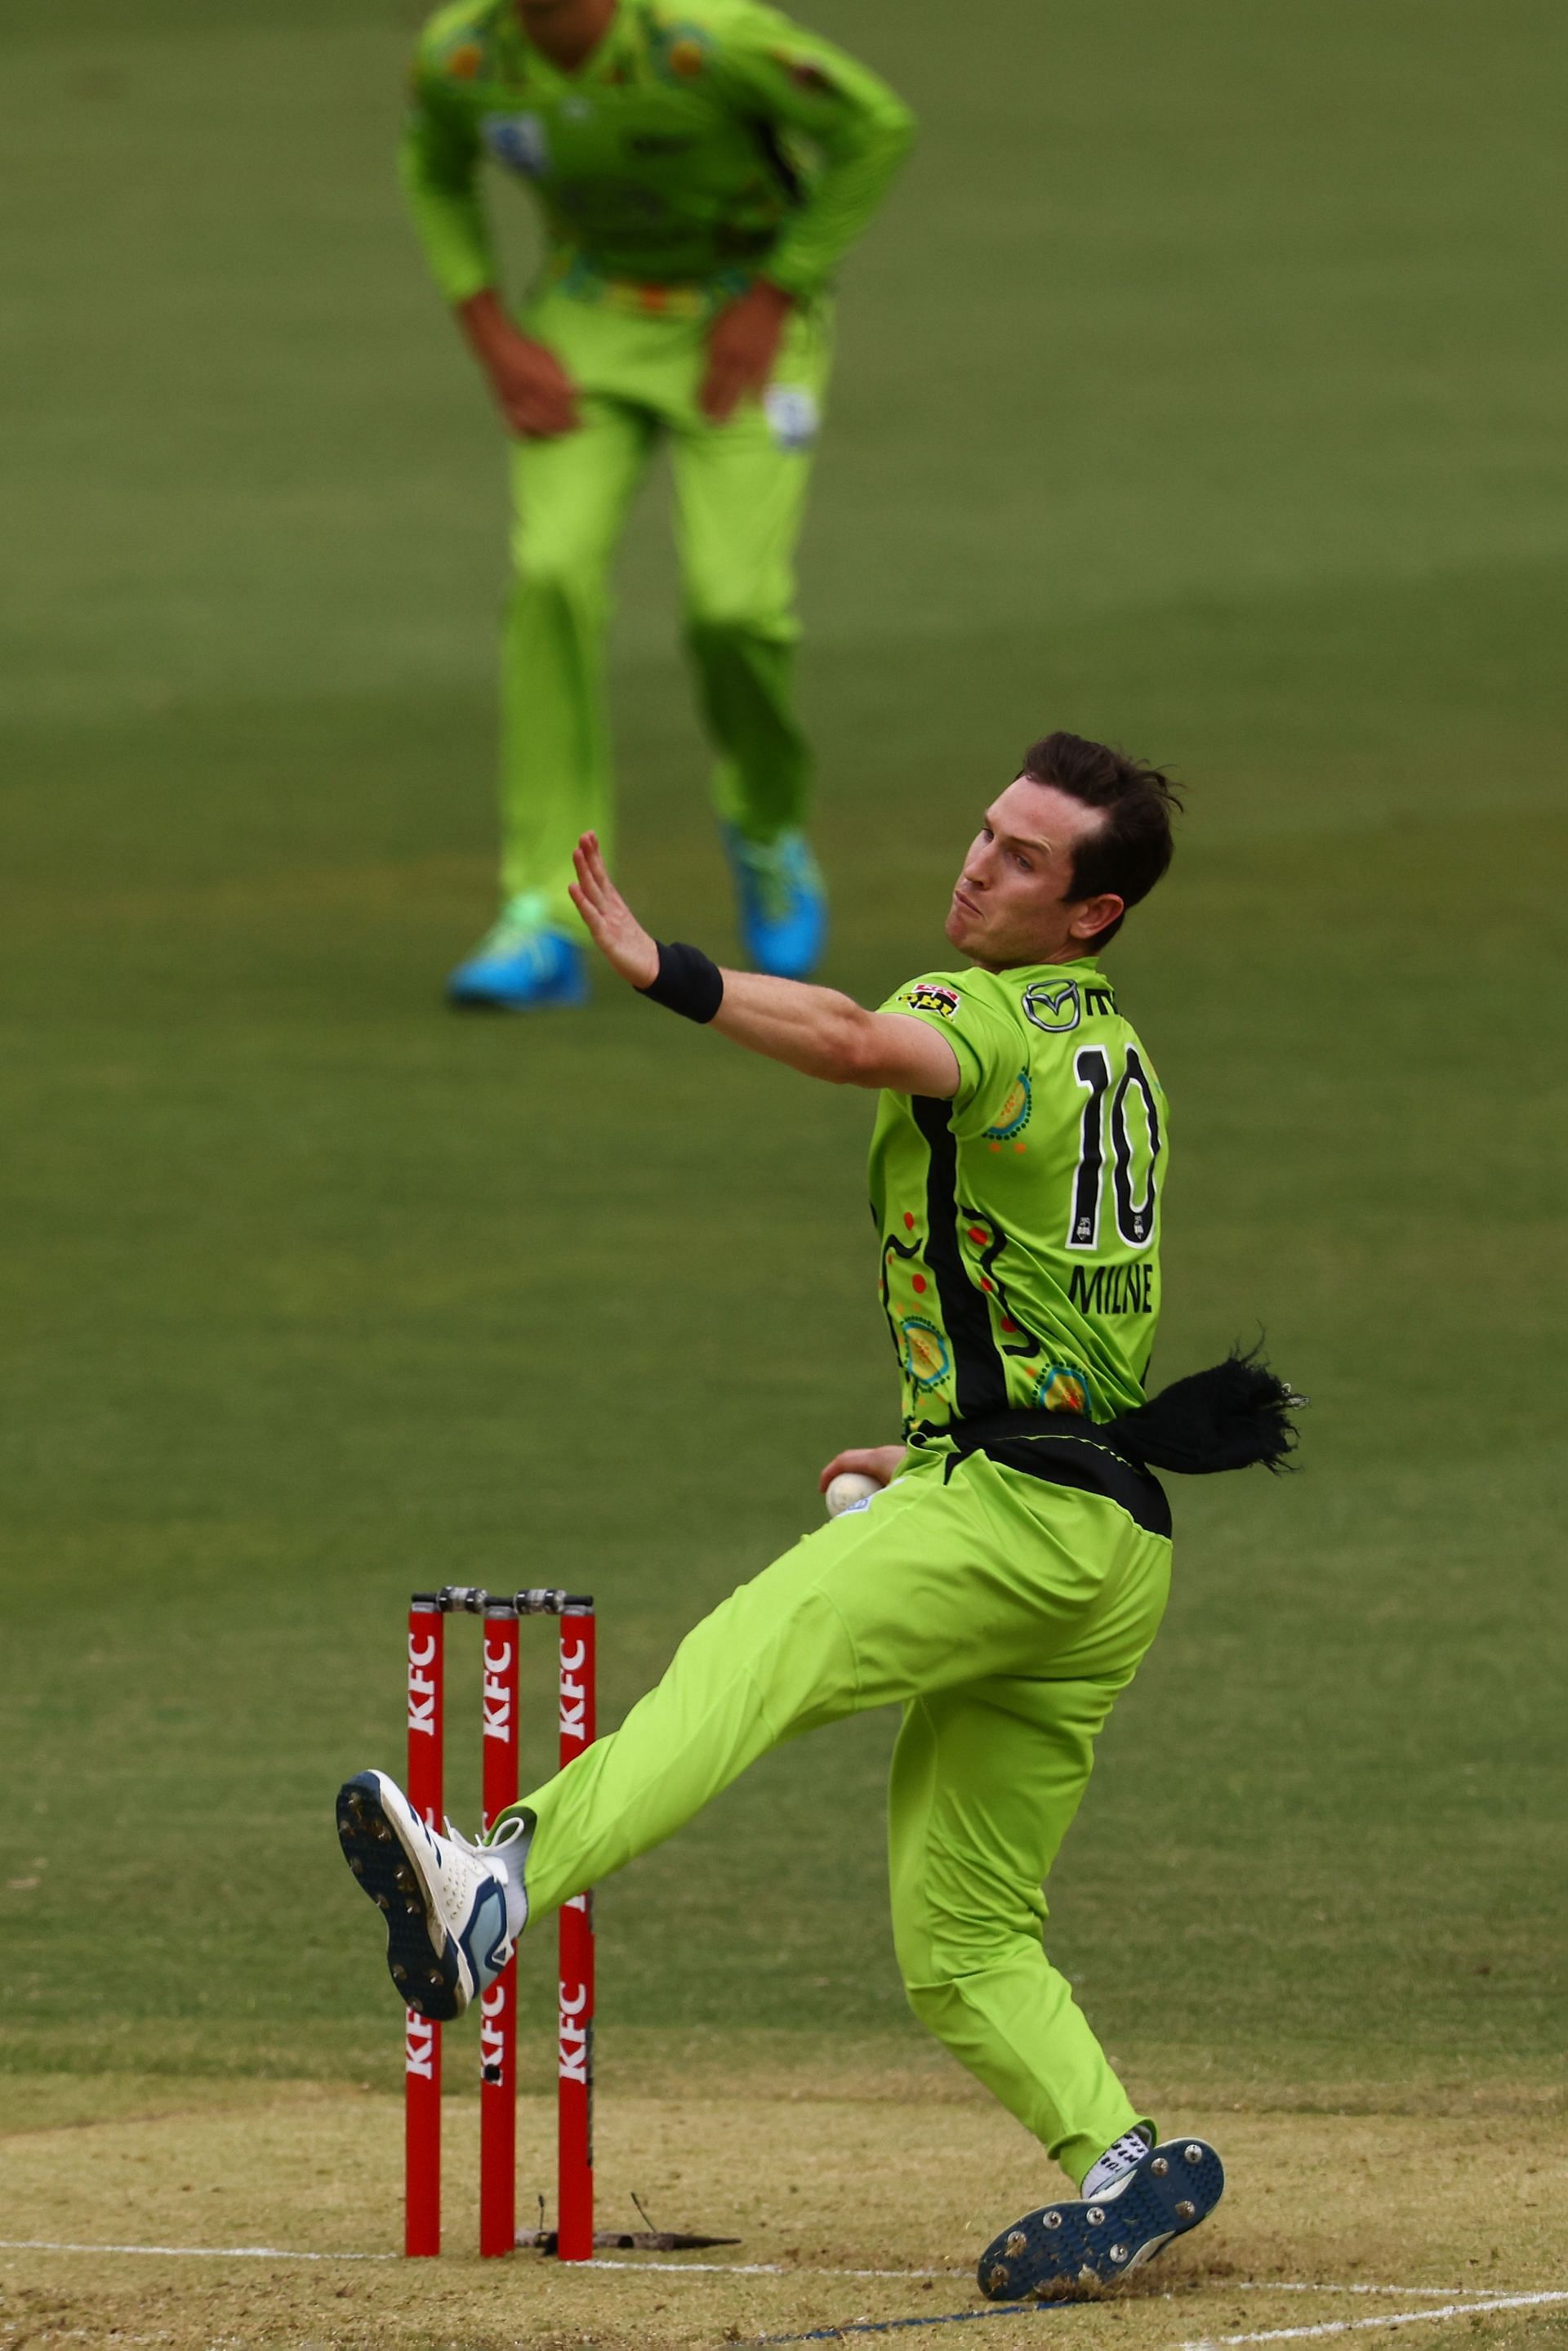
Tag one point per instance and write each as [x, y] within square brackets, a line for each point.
[856, 2212]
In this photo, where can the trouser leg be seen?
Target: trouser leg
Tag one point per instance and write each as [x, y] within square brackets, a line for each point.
[985, 1782]
[934, 1585]
[741, 491]
[570, 496]
[769, 1661]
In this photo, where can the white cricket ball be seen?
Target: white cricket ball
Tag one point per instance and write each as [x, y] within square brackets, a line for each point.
[850, 1490]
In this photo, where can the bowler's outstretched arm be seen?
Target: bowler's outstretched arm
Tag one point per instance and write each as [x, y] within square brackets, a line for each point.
[814, 1030]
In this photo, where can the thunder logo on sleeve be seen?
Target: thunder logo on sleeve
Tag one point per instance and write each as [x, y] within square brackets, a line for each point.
[1019, 1222]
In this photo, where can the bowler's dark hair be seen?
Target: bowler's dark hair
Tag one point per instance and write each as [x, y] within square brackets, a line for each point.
[1133, 847]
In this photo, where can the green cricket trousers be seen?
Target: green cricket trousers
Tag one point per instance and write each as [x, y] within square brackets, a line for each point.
[739, 495]
[1004, 1613]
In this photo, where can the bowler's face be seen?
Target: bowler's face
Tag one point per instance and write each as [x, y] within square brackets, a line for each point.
[1011, 903]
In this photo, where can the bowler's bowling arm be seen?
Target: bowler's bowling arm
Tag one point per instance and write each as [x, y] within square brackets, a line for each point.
[825, 1035]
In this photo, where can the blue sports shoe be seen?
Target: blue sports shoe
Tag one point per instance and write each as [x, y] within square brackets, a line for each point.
[443, 1899]
[784, 907]
[1078, 2245]
[520, 965]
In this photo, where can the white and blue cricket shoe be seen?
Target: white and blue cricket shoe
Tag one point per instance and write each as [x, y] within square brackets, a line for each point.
[443, 1899]
[520, 965]
[1136, 2201]
[783, 905]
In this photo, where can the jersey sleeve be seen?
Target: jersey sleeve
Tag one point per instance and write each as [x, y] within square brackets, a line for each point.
[438, 162]
[983, 1040]
[795, 82]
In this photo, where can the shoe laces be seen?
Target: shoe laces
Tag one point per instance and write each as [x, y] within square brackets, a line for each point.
[478, 1850]
[511, 1832]
[772, 867]
[520, 928]
[476, 1847]
[490, 1845]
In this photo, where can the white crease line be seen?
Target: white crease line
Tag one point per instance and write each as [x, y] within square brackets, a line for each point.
[1282, 2286]
[278, 2253]
[189, 2252]
[764, 2269]
[1394, 2318]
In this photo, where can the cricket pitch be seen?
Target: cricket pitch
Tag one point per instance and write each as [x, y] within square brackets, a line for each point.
[143, 2212]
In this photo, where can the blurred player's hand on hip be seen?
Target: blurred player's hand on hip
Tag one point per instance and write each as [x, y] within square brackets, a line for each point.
[532, 391]
[615, 930]
[742, 344]
[878, 1461]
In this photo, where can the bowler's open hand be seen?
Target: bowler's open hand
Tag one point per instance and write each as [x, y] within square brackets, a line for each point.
[615, 930]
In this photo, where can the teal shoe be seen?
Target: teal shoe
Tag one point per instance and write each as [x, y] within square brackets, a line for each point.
[520, 965]
[782, 904]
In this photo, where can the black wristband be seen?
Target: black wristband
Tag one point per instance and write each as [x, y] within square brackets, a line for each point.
[689, 982]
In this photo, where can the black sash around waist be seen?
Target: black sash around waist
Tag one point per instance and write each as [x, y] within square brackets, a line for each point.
[1063, 1450]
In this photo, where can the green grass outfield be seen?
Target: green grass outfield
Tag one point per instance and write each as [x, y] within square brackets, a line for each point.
[1199, 385]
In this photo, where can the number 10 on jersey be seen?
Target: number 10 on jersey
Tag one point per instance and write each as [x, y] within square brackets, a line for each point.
[1134, 1155]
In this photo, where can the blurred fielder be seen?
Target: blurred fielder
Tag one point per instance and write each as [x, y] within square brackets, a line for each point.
[1005, 1578]
[701, 167]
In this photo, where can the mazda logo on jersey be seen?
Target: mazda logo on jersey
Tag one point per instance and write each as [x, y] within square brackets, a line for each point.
[1054, 1010]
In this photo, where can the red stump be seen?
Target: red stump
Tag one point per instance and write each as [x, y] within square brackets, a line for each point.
[575, 2218]
[498, 2006]
[422, 2038]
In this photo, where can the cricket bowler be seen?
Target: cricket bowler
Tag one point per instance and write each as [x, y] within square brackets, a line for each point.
[700, 167]
[1011, 1564]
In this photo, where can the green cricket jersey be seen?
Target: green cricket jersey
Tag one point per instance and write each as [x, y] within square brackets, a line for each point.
[702, 142]
[1019, 1222]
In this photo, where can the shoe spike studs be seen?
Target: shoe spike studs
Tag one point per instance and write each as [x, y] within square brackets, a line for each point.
[1051, 2219]
[1094, 2216]
[1017, 2243]
[1159, 2167]
[1118, 2253]
[998, 2279]
[1193, 2152]
[1185, 2210]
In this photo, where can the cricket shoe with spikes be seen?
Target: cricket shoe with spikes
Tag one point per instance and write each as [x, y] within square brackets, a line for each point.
[522, 964]
[1077, 2246]
[781, 902]
[443, 1899]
